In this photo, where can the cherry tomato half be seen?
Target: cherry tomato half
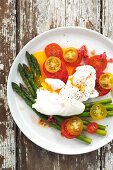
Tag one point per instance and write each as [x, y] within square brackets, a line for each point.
[72, 127]
[92, 127]
[62, 74]
[53, 49]
[100, 90]
[99, 62]
[98, 112]
[75, 126]
[70, 55]
[64, 131]
[106, 81]
[53, 64]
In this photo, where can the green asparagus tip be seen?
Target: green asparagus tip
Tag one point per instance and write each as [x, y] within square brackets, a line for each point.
[27, 53]
[14, 85]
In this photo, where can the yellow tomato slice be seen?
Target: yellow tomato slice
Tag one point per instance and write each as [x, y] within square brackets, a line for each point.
[69, 68]
[53, 64]
[74, 126]
[106, 80]
[70, 55]
[98, 112]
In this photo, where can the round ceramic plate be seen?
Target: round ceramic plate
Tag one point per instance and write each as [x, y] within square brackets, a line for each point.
[26, 119]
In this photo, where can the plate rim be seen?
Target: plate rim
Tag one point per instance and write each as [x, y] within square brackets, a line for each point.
[11, 109]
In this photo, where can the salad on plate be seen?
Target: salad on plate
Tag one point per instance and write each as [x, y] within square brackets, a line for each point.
[58, 83]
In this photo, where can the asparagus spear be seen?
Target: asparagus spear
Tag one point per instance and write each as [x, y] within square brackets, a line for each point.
[36, 65]
[26, 69]
[85, 122]
[105, 101]
[31, 64]
[101, 127]
[28, 95]
[99, 131]
[108, 107]
[29, 76]
[85, 139]
[21, 71]
[17, 89]
[87, 114]
[109, 113]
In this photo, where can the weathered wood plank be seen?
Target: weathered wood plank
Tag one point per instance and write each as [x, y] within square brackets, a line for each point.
[8, 52]
[85, 14]
[34, 17]
[107, 27]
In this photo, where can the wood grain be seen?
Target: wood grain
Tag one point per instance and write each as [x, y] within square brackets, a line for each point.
[55, 13]
[43, 15]
[107, 27]
[85, 14]
[22, 20]
[8, 52]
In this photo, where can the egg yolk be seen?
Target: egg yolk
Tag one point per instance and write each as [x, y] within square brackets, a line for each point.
[48, 87]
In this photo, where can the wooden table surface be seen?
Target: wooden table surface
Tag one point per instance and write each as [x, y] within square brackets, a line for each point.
[20, 21]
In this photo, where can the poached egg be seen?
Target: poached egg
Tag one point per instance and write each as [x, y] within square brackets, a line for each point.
[81, 85]
[51, 103]
[57, 98]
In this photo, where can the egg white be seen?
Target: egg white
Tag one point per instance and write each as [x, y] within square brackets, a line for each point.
[68, 101]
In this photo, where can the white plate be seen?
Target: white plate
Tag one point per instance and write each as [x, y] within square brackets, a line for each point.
[25, 118]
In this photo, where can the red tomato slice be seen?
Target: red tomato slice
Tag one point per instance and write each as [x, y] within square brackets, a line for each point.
[53, 49]
[83, 54]
[64, 131]
[92, 127]
[101, 90]
[99, 62]
[61, 74]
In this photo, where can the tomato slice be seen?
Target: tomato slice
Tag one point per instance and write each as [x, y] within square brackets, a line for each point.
[72, 127]
[99, 62]
[64, 131]
[100, 90]
[70, 69]
[98, 112]
[83, 53]
[62, 74]
[53, 49]
[53, 64]
[92, 127]
[106, 80]
[70, 55]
